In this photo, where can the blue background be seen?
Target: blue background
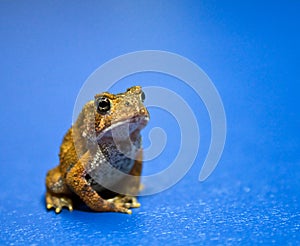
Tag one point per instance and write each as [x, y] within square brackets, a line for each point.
[250, 50]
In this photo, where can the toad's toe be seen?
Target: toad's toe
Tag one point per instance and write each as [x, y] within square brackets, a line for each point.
[58, 202]
[125, 201]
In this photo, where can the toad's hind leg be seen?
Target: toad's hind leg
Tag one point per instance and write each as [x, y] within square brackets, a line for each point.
[58, 202]
[57, 192]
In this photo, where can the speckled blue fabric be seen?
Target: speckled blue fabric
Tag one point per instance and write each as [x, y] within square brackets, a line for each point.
[250, 50]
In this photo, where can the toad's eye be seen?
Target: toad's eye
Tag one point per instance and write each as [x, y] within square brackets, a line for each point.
[143, 96]
[103, 105]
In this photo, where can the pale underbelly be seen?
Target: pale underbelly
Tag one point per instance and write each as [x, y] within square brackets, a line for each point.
[105, 175]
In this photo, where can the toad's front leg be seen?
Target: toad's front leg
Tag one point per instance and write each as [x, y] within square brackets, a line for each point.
[125, 201]
[76, 180]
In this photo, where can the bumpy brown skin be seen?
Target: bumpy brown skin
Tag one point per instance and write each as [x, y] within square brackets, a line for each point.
[78, 150]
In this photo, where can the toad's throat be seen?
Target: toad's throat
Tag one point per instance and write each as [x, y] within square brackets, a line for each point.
[114, 158]
[124, 130]
[122, 140]
[117, 146]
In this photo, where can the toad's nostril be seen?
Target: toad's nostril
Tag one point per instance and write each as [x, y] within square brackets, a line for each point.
[142, 111]
[137, 90]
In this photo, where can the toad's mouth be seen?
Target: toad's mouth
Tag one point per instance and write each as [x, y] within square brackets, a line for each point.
[124, 129]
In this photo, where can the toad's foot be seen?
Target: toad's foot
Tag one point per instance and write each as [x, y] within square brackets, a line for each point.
[125, 201]
[58, 202]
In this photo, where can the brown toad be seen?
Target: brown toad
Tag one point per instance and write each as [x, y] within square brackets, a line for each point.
[97, 152]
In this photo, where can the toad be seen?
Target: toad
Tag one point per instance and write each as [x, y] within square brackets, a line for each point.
[100, 159]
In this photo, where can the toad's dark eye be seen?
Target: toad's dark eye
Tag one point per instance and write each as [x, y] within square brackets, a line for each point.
[103, 105]
[143, 96]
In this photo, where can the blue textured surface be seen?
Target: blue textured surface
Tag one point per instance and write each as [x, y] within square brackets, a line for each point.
[251, 52]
